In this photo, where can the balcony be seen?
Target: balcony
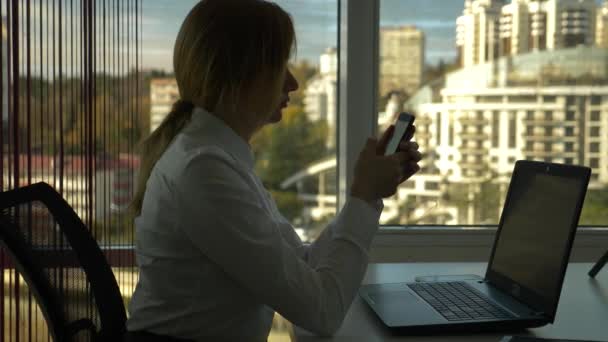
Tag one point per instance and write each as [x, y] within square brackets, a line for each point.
[543, 137]
[474, 136]
[474, 121]
[542, 121]
[473, 150]
[544, 154]
[477, 166]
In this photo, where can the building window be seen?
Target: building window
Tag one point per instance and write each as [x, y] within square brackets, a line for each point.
[495, 128]
[451, 133]
[594, 163]
[512, 130]
[432, 185]
[549, 99]
[594, 147]
[594, 132]
[570, 115]
[529, 115]
[438, 127]
[595, 115]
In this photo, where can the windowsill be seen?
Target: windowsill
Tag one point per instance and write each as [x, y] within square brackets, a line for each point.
[468, 243]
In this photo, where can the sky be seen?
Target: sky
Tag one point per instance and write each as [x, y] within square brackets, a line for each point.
[316, 26]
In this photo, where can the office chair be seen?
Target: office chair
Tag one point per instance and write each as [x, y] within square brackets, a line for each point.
[598, 265]
[66, 271]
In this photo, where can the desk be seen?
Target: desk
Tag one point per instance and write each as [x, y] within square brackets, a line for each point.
[582, 312]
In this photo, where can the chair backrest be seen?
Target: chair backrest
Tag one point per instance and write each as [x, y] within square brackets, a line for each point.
[63, 265]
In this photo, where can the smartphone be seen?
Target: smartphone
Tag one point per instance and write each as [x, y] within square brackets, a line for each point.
[402, 125]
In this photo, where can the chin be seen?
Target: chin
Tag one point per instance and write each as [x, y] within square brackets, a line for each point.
[276, 116]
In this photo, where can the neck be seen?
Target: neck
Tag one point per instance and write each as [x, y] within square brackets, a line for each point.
[237, 123]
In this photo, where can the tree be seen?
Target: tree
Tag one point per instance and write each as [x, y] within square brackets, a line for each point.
[594, 210]
[286, 148]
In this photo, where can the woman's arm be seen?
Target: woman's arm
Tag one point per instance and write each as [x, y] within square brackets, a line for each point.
[224, 219]
[311, 252]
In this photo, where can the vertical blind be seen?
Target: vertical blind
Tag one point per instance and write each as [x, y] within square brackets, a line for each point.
[71, 97]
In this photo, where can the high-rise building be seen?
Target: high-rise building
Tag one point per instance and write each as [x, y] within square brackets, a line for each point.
[477, 31]
[601, 33]
[488, 29]
[320, 99]
[401, 59]
[163, 93]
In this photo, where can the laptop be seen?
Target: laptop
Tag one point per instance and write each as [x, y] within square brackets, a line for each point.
[524, 276]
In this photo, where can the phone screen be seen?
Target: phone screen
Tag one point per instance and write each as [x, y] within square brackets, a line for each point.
[400, 127]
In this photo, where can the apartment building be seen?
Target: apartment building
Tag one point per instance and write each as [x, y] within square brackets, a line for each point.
[492, 114]
[163, 93]
[489, 29]
[321, 94]
[401, 59]
[601, 20]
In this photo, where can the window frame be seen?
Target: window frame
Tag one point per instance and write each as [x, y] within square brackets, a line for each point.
[358, 47]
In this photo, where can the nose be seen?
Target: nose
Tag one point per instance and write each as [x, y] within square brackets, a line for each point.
[291, 84]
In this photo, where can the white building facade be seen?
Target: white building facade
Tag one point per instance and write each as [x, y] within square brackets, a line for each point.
[401, 59]
[488, 29]
[321, 94]
[163, 94]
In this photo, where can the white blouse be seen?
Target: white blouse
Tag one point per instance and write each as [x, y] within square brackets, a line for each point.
[216, 258]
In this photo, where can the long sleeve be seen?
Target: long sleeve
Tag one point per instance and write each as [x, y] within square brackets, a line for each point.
[312, 252]
[224, 219]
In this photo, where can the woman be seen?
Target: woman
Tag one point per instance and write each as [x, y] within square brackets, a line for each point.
[216, 258]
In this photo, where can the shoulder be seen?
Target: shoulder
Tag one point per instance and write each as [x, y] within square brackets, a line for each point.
[209, 161]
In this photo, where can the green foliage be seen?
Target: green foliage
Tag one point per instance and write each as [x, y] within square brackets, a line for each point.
[289, 146]
[288, 203]
[55, 113]
[595, 210]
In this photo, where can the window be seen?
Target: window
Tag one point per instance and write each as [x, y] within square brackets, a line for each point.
[549, 99]
[569, 130]
[594, 163]
[570, 115]
[296, 158]
[495, 128]
[72, 124]
[569, 147]
[512, 129]
[457, 81]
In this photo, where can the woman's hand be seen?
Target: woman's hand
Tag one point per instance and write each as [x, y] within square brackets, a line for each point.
[377, 176]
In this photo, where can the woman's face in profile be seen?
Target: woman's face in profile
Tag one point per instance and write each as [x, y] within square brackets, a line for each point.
[289, 84]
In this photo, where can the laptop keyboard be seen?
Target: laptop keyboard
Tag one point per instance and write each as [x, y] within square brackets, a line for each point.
[457, 301]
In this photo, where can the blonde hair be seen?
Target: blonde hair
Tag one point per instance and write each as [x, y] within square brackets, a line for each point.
[224, 47]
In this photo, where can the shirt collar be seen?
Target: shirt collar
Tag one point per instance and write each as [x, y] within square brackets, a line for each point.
[213, 130]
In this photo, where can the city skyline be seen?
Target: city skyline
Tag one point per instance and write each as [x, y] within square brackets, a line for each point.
[316, 26]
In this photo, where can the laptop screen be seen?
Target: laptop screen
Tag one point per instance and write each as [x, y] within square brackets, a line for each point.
[537, 227]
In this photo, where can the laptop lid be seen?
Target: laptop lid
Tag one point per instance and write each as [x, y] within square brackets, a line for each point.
[536, 231]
